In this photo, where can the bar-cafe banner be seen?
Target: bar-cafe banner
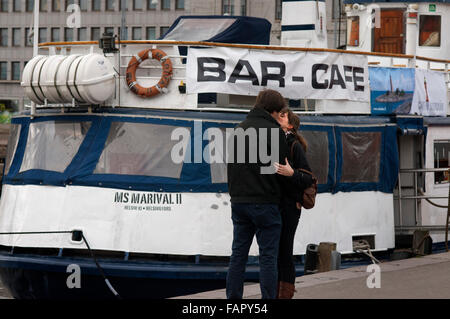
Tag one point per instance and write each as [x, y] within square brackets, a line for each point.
[297, 75]
[407, 91]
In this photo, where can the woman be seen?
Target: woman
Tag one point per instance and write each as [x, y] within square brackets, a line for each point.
[292, 199]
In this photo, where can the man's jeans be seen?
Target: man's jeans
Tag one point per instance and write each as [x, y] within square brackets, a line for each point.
[264, 220]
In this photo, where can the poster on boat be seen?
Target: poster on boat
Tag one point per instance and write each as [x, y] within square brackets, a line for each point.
[430, 94]
[391, 90]
[406, 91]
[299, 75]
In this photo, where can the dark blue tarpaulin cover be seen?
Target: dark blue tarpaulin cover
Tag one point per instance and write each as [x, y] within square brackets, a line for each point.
[411, 125]
[196, 177]
[244, 30]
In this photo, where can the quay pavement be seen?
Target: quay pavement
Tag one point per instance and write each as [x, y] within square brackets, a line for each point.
[425, 277]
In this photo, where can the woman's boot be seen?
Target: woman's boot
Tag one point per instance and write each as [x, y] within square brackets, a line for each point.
[286, 290]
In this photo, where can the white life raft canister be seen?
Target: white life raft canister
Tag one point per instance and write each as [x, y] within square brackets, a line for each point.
[87, 78]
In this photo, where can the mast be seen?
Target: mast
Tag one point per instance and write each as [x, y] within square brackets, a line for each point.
[36, 28]
[35, 44]
[123, 20]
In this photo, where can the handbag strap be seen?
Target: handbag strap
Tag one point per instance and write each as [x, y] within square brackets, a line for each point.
[310, 173]
[306, 171]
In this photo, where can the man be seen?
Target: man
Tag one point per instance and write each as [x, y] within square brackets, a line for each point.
[255, 193]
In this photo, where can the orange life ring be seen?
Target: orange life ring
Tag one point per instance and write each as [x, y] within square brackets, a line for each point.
[163, 82]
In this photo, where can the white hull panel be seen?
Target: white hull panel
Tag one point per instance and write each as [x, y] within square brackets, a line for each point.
[199, 224]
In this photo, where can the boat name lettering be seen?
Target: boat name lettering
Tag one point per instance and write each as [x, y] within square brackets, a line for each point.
[148, 198]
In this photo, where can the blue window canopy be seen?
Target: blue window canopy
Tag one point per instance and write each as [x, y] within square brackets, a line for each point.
[367, 160]
[322, 161]
[36, 175]
[83, 168]
[132, 149]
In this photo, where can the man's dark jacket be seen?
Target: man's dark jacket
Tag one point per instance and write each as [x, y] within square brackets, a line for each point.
[246, 184]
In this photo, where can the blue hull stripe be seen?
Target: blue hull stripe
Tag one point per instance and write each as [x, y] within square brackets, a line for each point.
[298, 27]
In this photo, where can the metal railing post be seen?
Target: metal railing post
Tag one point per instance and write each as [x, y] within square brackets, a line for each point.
[400, 200]
[448, 213]
[416, 200]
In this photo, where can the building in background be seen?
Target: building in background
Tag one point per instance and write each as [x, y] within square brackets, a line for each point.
[145, 20]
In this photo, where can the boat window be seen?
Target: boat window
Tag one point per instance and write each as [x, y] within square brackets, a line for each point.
[218, 140]
[13, 139]
[361, 153]
[441, 160]
[353, 33]
[317, 153]
[430, 30]
[198, 29]
[139, 149]
[51, 145]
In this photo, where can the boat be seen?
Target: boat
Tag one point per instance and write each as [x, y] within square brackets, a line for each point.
[114, 185]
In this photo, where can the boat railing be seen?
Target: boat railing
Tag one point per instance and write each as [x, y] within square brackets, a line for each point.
[375, 58]
[419, 195]
[129, 48]
[243, 46]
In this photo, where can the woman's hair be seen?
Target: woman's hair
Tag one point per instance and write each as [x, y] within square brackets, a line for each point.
[270, 100]
[294, 120]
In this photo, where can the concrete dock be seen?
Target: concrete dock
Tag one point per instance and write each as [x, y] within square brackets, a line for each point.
[425, 277]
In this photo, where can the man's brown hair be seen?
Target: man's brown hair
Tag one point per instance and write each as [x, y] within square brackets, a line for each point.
[270, 100]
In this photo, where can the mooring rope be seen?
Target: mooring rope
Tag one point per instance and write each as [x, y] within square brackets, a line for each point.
[361, 245]
[91, 252]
